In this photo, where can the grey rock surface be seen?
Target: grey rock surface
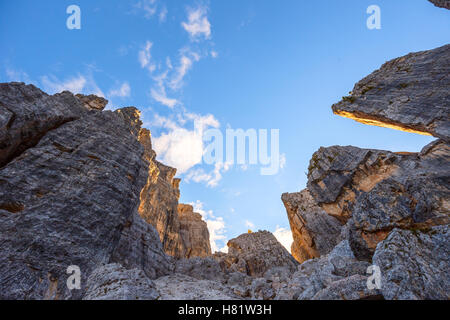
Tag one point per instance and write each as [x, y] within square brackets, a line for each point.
[351, 288]
[318, 274]
[113, 282]
[182, 287]
[376, 191]
[194, 232]
[27, 114]
[441, 3]
[255, 253]
[314, 231]
[66, 200]
[414, 264]
[409, 93]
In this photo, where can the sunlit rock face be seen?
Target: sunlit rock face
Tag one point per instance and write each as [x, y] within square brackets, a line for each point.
[314, 231]
[409, 93]
[441, 3]
[182, 232]
[159, 200]
[194, 232]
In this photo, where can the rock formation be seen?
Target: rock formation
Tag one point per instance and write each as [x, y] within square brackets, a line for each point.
[408, 93]
[389, 209]
[81, 187]
[194, 232]
[255, 253]
[441, 3]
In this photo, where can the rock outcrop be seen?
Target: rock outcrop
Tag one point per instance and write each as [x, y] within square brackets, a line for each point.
[114, 282]
[389, 209]
[194, 232]
[414, 264]
[408, 93]
[159, 200]
[441, 3]
[68, 197]
[254, 254]
[314, 231]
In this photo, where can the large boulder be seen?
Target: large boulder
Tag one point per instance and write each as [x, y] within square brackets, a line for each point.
[255, 253]
[314, 231]
[414, 264]
[374, 191]
[409, 93]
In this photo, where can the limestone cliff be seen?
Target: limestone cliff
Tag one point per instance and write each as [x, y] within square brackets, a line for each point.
[409, 93]
[194, 232]
[384, 208]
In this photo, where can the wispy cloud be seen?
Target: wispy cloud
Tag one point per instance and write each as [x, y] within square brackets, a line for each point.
[198, 25]
[145, 57]
[122, 92]
[17, 75]
[148, 7]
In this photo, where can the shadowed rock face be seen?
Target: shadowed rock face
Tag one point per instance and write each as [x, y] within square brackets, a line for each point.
[408, 93]
[315, 232]
[441, 3]
[194, 232]
[27, 114]
[71, 197]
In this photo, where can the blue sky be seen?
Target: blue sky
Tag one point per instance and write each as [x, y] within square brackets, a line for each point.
[228, 64]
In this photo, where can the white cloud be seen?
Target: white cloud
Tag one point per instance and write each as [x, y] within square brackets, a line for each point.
[214, 54]
[180, 147]
[185, 64]
[212, 178]
[197, 25]
[282, 160]
[147, 6]
[163, 14]
[122, 92]
[81, 83]
[145, 57]
[161, 96]
[216, 227]
[284, 236]
[17, 75]
[249, 224]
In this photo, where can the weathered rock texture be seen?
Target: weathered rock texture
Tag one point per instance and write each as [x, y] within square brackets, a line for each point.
[255, 253]
[414, 264]
[441, 3]
[159, 200]
[408, 93]
[69, 192]
[113, 282]
[194, 232]
[314, 231]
